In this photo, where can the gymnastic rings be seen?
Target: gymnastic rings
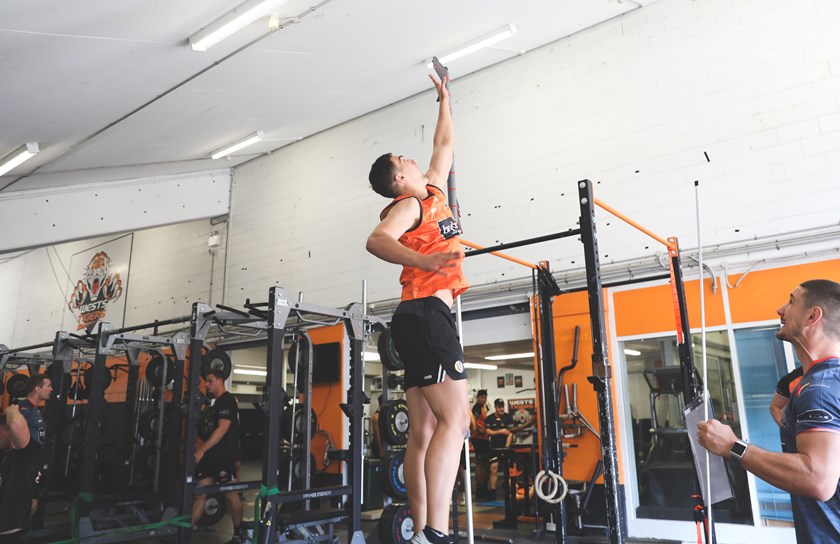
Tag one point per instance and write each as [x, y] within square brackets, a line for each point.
[555, 481]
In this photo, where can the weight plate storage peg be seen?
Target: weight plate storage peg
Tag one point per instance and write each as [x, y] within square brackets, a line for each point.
[387, 352]
[393, 422]
[395, 525]
[154, 371]
[216, 359]
[392, 474]
[214, 510]
[16, 386]
[299, 423]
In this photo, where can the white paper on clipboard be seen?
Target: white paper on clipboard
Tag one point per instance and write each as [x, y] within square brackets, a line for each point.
[721, 485]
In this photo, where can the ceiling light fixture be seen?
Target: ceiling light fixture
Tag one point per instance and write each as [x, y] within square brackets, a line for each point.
[371, 356]
[237, 145]
[18, 156]
[633, 352]
[511, 356]
[232, 22]
[480, 366]
[250, 372]
[479, 43]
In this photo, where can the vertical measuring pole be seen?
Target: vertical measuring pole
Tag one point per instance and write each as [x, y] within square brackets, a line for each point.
[601, 378]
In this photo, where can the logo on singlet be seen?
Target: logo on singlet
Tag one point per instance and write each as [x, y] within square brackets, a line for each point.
[448, 228]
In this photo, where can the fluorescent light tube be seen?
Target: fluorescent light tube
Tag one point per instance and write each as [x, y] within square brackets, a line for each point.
[237, 145]
[480, 366]
[250, 372]
[633, 352]
[511, 356]
[232, 22]
[479, 43]
[18, 156]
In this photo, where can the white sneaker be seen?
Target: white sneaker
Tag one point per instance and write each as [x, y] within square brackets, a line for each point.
[420, 538]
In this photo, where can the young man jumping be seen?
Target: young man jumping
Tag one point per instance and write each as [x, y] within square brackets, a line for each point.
[417, 230]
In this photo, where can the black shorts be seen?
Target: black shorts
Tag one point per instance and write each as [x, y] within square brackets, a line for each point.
[481, 446]
[427, 341]
[220, 468]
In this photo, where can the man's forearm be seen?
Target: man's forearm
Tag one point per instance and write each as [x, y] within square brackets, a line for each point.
[444, 133]
[792, 472]
[390, 250]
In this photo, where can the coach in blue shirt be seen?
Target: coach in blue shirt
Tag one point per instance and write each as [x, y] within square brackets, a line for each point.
[808, 466]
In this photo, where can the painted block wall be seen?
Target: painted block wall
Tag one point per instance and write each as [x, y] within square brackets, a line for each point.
[170, 269]
[636, 104]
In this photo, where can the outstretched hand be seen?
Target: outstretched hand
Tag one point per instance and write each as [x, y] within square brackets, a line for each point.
[443, 93]
[439, 262]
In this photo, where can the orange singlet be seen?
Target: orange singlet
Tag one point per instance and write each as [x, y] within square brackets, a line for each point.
[437, 232]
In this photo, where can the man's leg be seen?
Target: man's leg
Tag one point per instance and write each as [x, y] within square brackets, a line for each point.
[234, 502]
[449, 404]
[420, 429]
[198, 502]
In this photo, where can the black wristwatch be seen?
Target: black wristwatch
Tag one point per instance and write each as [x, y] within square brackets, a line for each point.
[737, 451]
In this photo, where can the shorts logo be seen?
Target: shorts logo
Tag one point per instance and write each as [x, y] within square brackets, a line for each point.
[448, 228]
[459, 366]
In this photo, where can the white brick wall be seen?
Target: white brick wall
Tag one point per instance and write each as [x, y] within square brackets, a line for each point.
[170, 269]
[632, 103]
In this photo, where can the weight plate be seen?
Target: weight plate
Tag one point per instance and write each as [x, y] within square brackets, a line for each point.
[207, 423]
[80, 425]
[392, 475]
[16, 386]
[300, 424]
[396, 525]
[298, 467]
[216, 359]
[214, 510]
[393, 422]
[87, 378]
[387, 352]
[299, 348]
[154, 371]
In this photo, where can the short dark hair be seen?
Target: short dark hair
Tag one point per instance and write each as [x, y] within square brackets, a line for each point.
[35, 381]
[214, 372]
[499, 402]
[381, 176]
[826, 295]
[481, 392]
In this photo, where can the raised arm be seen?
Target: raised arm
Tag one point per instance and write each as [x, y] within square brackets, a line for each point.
[444, 139]
[18, 428]
[384, 241]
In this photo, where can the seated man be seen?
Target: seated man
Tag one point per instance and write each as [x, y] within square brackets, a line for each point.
[498, 426]
[217, 459]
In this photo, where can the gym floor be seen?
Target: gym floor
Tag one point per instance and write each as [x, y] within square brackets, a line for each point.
[484, 514]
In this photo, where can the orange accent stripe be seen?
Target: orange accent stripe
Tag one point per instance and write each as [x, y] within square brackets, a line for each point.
[500, 254]
[632, 223]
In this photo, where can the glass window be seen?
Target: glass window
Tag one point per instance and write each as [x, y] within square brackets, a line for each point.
[761, 359]
[666, 476]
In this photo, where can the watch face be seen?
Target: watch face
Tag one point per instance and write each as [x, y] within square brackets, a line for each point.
[738, 448]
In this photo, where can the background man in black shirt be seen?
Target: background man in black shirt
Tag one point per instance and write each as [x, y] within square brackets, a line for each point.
[218, 457]
[498, 427]
[20, 473]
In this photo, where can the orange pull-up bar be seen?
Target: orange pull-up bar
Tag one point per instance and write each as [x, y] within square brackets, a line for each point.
[632, 223]
[500, 254]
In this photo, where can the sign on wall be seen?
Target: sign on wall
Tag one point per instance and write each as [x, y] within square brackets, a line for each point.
[99, 279]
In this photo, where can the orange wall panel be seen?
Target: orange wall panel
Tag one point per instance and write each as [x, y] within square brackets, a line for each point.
[763, 291]
[651, 309]
[325, 401]
[570, 310]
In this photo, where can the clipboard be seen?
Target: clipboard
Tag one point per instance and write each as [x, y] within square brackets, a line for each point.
[721, 488]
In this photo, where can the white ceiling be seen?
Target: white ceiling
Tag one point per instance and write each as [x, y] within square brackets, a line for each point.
[111, 89]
